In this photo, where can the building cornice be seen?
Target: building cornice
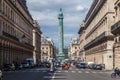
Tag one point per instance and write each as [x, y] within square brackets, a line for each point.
[81, 30]
[91, 8]
[96, 6]
[19, 12]
[37, 30]
[105, 36]
[26, 10]
[117, 2]
[82, 25]
[97, 25]
[24, 45]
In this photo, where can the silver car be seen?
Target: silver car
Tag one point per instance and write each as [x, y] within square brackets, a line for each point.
[0, 75]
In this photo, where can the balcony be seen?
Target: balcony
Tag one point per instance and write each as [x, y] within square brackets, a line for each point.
[10, 36]
[28, 44]
[115, 29]
[100, 39]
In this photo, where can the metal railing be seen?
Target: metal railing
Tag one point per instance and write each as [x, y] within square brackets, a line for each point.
[101, 37]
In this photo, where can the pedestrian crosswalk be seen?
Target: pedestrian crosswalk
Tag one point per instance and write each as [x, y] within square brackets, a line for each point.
[29, 70]
[72, 72]
[80, 71]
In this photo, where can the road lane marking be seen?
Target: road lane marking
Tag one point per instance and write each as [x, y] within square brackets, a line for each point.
[73, 71]
[93, 72]
[58, 71]
[100, 72]
[79, 71]
[44, 71]
[50, 73]
[87, 72]
[66, 71]
[53, 77]
[47, 77]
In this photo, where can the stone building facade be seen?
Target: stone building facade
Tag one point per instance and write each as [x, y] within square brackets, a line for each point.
[47, 49]
[115, 29]
[98, 40]
[16, 35]
[36, 42]
[81, 33]
[74, 49]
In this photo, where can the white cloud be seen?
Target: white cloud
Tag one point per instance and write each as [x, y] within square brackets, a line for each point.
[46, 12]
[79, 8]
[69, 35]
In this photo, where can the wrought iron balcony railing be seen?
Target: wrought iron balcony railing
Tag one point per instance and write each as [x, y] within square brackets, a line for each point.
[10, 36]
[115, 29]
[98, 40]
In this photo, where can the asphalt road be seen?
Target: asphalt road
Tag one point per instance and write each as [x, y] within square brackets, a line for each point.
[29, 74]
[71, 74]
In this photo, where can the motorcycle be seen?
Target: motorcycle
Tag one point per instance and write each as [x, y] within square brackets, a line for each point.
[65, 66]
[115, 74]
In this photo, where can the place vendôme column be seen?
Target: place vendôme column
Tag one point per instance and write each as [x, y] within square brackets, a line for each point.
[60, 36]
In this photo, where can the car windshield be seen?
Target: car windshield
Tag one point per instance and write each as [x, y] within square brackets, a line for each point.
[82, 63]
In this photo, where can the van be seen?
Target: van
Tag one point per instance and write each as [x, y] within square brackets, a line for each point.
[28, 62]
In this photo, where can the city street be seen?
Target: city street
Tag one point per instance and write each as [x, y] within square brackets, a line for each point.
[71, 74]
[60, 40]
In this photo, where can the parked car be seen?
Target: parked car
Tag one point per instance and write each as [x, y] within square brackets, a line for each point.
[39, 64]
[81, 65]
[25, 65]
[57, 64]
[77, 65]
[1, 75]
[30, 61]
[18, 66]
[47, 64]
[98, 67]
[9, 67]
[91, 65]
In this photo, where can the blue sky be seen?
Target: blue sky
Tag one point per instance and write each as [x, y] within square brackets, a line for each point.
[46, 13]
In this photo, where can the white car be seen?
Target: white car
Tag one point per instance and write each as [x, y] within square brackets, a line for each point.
[0, 75]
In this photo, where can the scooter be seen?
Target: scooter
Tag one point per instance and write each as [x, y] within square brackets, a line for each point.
[115, 74]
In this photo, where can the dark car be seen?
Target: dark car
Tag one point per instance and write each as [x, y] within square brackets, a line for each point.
[81, 65]
[57, 64]
[77, 65]
[9, 67]
[25, 65]
[98, 67]
[18, 66]
[92, 66]
[47, 64]
[1, 75]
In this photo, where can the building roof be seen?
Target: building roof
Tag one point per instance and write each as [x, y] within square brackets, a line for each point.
[46, 40]
[23, 2]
